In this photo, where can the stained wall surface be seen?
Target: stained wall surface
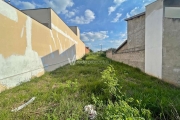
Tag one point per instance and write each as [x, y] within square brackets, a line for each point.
[109, 54]
[28, 48]
[70, 38]
[123, 48]
[171, 51]
[55, 60]
[162, 42]
[153, 38]
[136, 43]
[133, 52]
[136, 32]
[171, 42]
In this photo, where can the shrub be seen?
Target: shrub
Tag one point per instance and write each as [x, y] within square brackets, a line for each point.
[120, 107]
[84, 57]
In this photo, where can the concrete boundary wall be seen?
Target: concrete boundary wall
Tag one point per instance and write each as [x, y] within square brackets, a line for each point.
[133, 58]
[132, 51]
[162, 42]
[28, 48]
[171, 51]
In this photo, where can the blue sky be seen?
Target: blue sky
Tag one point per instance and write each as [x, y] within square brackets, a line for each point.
[100, 21]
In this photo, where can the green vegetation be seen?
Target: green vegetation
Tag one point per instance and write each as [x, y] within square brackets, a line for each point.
[117, 90]
[114, 105]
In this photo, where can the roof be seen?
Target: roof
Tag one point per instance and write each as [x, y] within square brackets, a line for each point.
[35, 9]
[135, 16]
[121, 45]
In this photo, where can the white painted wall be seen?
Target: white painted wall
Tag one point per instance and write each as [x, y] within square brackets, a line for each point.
[18, 68]
[8, 11]
[172, 12]
[21, 67]
[153, 39]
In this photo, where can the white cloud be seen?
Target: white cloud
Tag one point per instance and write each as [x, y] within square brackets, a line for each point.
[123, 35]
[116, 19]
[111, 9]
[135, 11]
[111, 32]
[127, 15]
[69, 14]
[86, 19]
[59, 5]
[24, 5]
[146, 2]
[28, 5]
[117, 4]
[88, 44]
[98, 49]
[139, 9]
[116, 43]
[92, 36]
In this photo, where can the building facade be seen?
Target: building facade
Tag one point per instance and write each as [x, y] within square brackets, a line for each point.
[158, 30]
[32, 42]
[87, 50]
[132, 51]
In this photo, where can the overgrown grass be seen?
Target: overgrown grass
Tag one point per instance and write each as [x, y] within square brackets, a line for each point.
[59, 96]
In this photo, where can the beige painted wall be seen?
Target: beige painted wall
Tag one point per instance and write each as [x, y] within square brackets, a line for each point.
[58, 23]
[24, 42]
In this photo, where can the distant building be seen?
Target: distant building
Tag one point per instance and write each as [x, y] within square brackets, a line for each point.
[153, 41]
[87, 50]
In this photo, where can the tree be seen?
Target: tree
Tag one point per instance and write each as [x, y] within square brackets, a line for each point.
[91, 50]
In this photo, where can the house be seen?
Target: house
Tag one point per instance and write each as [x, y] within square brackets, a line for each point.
[87, 50]
[153, 42]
